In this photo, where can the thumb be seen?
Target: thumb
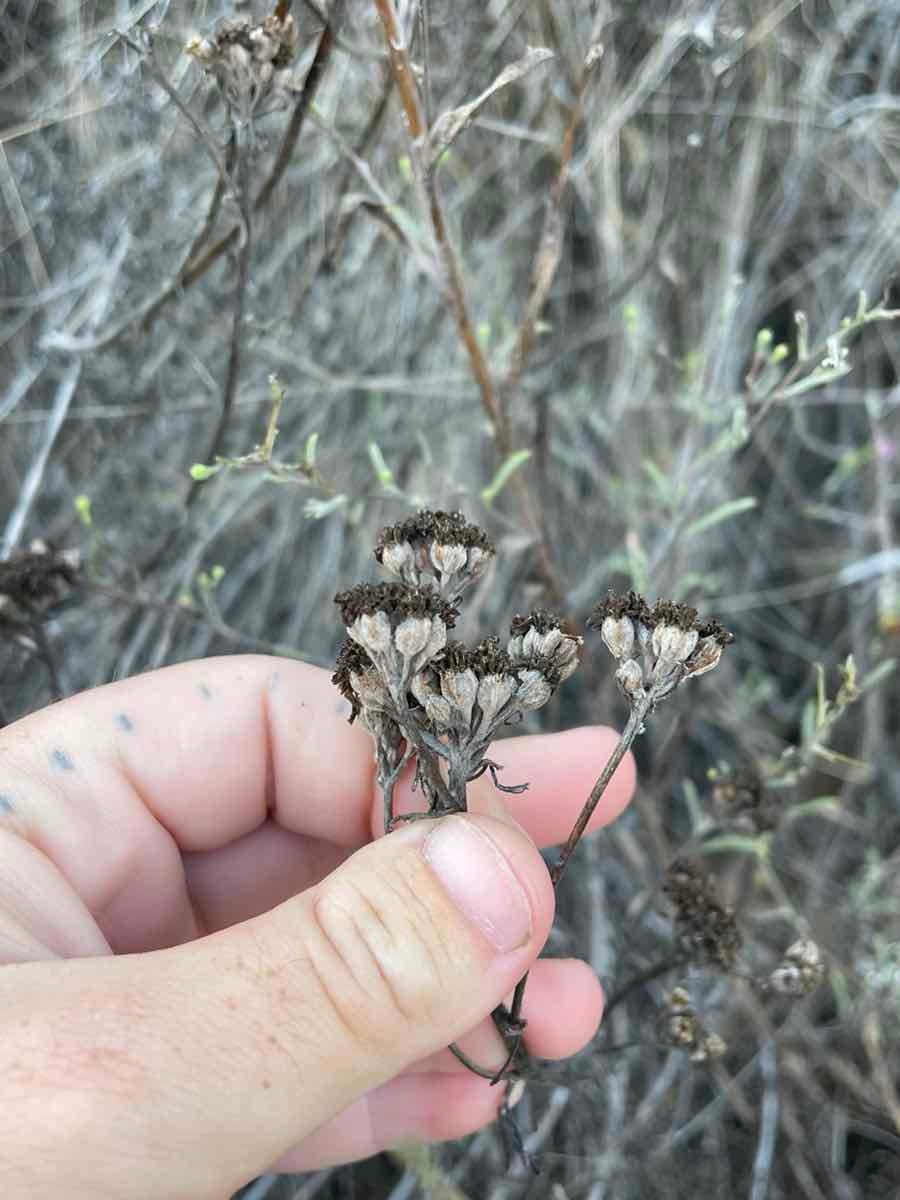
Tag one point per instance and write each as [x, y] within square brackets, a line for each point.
[231, 1049]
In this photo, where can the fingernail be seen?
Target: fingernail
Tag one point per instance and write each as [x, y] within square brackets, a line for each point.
[480, 881]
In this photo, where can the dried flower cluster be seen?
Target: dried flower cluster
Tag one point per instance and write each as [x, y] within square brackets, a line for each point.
[656, 647]
[741, 800]
[32, 581]
[706, 929]
[800, 971]
[427, 697]
[681, 1027]
[410, 685]
[250, 62]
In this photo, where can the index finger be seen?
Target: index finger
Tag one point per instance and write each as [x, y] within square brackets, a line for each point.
[114, 784]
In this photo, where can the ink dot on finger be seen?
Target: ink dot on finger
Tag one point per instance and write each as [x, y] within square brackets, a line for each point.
[124, 722]
[61, 760]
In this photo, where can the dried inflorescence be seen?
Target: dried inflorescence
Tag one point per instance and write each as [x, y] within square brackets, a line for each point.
[435, 546]
[441, 702]
[681, 1027]
[706, 928]
[741, 800]
[250, 61]
[800, 971]
[34, 580]
[400, 627]
[657, 647]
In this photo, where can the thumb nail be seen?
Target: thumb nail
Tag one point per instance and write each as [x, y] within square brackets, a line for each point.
[480, 880]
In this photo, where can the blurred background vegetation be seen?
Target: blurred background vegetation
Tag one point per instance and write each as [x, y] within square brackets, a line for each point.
[653, 348]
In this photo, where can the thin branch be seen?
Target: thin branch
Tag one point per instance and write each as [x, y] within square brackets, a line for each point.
[426, 185]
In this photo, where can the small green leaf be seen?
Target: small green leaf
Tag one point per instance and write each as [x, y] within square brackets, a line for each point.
[724, 512]
[83, 508]
[309, 454]
[504, 473]
[383, 472]
[200, 472]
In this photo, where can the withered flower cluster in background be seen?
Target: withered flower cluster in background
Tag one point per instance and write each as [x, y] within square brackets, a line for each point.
[680, 1027]
[800, 971]
[33, 581]
[705, 927]
[249, 61]
[741, 800]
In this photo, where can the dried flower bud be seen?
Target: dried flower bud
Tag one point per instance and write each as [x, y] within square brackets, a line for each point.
[448, 560]
[494, 693]
[534, 690]
[630, 678]
[460, 688]
[705, 657]
[357, 680]
[399, 560]
[618, 635]
[411, 636]
[672, 644]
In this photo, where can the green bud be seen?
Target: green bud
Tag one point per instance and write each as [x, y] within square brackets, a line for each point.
[201, 472]
[83, 508]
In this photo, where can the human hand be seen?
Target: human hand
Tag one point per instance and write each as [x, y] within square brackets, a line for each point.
[217, 964]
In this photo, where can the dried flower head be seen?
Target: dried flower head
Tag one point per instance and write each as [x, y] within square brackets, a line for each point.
[656, 647]
[541, 641]
[401, 628]
[681, 1027]
[34, 580]
[740, 798]
[358, 680]
[434, 546]
[800, 971]
[706, 928]
[249, 61]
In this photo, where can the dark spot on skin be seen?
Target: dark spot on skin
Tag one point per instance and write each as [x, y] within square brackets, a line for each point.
[282, 993]
[6, 803]
[205, 692]
[272, 1039]
[266, 1085]
[61, 760]
[124, 722]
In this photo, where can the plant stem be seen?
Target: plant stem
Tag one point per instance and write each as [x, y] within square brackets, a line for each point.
[512, 1018]
[634, 726]
[654, 971]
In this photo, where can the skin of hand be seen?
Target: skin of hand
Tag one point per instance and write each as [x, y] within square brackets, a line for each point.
[215, 965]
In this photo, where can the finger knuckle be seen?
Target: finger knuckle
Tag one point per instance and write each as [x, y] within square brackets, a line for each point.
[376, 953]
